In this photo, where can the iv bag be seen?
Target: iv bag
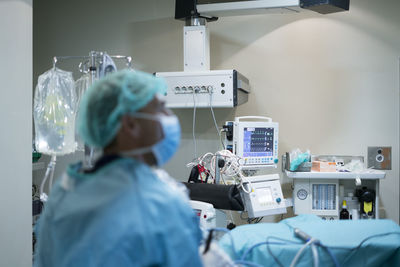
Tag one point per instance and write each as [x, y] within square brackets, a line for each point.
[54, 111]
[81, 85]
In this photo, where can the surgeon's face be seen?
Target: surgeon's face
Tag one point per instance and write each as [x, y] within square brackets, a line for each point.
[151, 131]
[137, 133]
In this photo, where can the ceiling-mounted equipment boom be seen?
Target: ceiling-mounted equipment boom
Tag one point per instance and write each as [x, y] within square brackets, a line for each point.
[325, 6]
[212, 9]
[187, 10]
[197, 85]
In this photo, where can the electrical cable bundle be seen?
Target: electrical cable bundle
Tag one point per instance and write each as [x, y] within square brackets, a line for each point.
[231, 167]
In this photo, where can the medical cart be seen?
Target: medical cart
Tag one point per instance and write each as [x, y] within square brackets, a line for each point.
[322, 193]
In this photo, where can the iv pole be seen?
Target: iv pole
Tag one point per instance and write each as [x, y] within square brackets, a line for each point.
[93, 60]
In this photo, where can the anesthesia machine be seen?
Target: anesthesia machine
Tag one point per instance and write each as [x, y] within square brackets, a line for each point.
[255, 139]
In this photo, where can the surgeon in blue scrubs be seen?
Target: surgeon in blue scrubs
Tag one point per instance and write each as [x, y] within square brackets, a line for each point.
[124, 211]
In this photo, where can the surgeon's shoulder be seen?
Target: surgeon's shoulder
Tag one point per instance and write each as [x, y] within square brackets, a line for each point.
[126, 169]
[155, 193]
[165, 194]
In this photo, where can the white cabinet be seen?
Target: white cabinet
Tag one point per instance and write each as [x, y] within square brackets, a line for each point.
[322, 193]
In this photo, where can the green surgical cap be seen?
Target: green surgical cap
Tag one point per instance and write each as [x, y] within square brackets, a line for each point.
[101, 108]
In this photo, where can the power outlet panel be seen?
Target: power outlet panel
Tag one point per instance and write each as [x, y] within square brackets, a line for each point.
[216, 88]
[380, 157]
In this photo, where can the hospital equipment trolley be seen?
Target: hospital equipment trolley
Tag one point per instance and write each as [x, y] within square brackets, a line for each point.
[322, 193]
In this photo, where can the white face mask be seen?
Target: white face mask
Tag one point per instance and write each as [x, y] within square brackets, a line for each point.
[164, 149]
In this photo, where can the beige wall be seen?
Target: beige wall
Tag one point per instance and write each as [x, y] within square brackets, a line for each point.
[332, 82]
[16, 133]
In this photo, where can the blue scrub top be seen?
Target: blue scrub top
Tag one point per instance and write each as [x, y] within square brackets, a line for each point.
[120, 215]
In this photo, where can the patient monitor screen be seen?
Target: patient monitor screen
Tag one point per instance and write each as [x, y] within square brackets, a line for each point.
[258, 142]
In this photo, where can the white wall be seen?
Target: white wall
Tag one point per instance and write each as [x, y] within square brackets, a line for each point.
[16, 133]
[332, 82]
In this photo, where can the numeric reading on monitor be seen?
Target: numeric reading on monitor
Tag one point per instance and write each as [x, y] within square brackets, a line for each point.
[258, 142]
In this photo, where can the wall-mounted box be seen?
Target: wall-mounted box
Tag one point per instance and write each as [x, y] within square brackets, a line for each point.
[219, 88]
[380, 157]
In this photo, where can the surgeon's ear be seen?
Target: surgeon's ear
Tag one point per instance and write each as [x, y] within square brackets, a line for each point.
[129, 125]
